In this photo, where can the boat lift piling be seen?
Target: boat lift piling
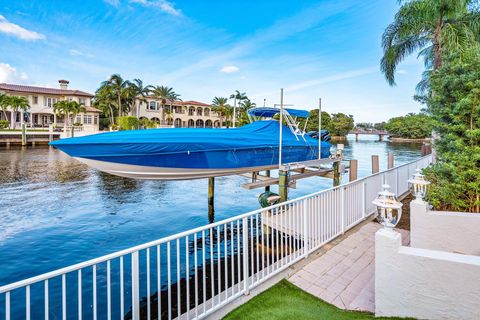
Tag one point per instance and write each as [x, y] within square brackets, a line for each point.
[211, 198]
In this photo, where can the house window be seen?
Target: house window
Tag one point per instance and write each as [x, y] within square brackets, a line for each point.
[49, 102]
[87, 119]
[81, 100]
[35, 99]
[152, 105]
[95, 119]
[78, 119]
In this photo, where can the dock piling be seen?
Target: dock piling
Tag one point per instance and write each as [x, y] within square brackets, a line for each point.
[211, 198]
[283, 185]
[390, 160]
[353, 170]
[375, 164]
[336, 173]
[24, 135]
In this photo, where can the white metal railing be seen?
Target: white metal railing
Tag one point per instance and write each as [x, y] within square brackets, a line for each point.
[196, 272]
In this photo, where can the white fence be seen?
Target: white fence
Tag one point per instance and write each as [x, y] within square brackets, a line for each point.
[194, 273]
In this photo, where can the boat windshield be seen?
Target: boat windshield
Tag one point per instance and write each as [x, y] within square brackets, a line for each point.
[290, 115]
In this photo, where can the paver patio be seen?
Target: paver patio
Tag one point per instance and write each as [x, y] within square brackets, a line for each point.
[345, 274]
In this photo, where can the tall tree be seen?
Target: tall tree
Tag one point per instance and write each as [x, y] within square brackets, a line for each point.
[117, 85]
[141, 91]
[17, 103]
[222, 108]
[165, 94]
[68, 109]
[105, 100]
[455, 110]
[238, 97]
[4, 104]
[432, 28]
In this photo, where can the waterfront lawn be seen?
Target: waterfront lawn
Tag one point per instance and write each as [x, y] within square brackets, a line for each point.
[286, 301]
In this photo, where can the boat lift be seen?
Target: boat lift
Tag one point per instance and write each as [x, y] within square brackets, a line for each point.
[291, 172]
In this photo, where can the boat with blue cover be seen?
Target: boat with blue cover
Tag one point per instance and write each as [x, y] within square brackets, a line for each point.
[191, 153]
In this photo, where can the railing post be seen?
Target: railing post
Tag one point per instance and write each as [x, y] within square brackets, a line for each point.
[246, 285]
[306, 243]
[342, 208]
[135, 287]
[364, 200]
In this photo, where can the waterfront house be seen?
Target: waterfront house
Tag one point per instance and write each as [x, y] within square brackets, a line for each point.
[180, 114]
[41, 101]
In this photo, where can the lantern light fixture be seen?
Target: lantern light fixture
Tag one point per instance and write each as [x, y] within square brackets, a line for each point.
[418, 185]
[389, 209]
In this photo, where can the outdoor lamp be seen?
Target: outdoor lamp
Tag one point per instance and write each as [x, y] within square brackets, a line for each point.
[389, 209]
[418, 185]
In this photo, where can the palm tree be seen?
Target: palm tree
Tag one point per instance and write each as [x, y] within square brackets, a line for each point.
[17, 103]
[117, 85]
[164, 94]
[4, 104]
[237, 96]
[67, 108]
[105, 100]
[431, 27]
[222, 108]
[141, 91]
[245, 106]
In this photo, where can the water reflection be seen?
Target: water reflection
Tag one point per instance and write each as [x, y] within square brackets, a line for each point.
[50, 201]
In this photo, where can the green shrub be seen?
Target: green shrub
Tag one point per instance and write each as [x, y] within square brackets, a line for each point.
[147, 123]
[4, 124]
[127, 123]
[455, 108]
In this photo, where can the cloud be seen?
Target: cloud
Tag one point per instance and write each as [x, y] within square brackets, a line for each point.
[229, 69]
[278, 31]
[402, 71]
[77, 53]
[163, 5]
[10, 74]
[17, 31]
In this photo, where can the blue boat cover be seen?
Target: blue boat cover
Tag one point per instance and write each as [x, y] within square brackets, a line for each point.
[145, 146]
[270, 112]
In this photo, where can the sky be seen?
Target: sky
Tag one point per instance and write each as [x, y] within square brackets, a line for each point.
[325, 49]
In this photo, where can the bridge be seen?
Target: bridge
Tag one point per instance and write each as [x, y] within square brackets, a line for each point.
[380, 133]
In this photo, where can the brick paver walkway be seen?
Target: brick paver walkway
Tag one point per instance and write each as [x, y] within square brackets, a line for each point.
[345, 274]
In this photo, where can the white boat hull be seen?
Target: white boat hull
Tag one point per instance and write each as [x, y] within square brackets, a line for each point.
[162, 173]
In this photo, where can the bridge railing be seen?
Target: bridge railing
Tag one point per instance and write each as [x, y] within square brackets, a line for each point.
[192, 274]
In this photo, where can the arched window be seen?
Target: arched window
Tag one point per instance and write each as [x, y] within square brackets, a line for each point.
[191, 123]
[199, 123]
[178, 123]
[208, 124]
[191, 111]
[216, 124]
[207, 112]
[152, 105]
[199, 111]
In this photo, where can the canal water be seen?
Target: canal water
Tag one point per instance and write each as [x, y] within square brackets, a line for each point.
[55, 211]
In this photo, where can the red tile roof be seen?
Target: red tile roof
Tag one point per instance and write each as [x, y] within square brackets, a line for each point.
[42, 90]
[194, 103]
[92, 109]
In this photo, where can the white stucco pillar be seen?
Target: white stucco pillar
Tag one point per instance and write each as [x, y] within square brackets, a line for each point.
[12, 119]
[418, 221]
[387, 244]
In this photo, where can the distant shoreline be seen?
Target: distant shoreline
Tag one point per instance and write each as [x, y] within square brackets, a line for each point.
[421, 140]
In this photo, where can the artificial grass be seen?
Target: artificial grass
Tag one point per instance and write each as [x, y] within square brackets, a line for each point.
[286, 301]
